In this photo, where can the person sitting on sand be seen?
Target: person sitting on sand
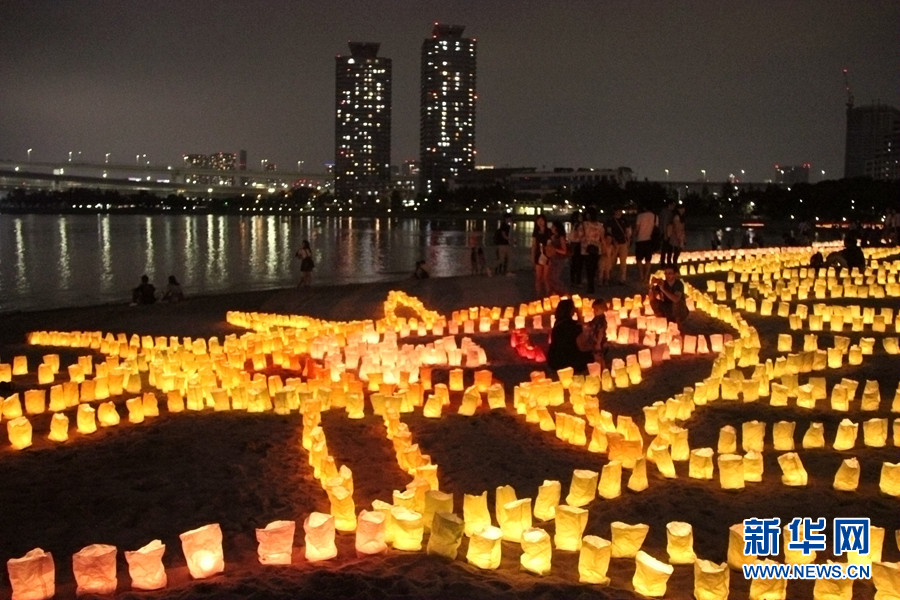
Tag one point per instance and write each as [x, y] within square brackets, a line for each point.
[569, 347]
[421, 271]
[144, 293]
[667, 296]
[173, 291]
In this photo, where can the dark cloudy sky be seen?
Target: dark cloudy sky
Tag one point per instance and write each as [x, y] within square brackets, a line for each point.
[719, 85]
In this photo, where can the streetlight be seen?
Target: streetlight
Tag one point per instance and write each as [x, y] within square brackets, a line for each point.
[107, 158]
[70, 156]
[667, 175]
[30, 149]
[703, 172]
[300, 165]
[137, 159]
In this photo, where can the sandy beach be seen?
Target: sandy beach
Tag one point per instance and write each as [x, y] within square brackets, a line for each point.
[129, 484]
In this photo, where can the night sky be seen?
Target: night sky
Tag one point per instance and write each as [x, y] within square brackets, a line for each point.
[718, 85]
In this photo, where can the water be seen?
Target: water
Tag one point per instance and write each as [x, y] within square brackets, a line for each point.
[54, 261]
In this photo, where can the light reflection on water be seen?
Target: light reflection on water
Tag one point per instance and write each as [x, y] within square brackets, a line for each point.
[49, 261]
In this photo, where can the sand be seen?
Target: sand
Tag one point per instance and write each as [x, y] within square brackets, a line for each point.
[129, 484]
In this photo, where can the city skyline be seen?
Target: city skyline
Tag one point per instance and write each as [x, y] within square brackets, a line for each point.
[679, 90]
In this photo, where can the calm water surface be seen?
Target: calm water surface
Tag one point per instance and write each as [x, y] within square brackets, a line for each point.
[52, 261]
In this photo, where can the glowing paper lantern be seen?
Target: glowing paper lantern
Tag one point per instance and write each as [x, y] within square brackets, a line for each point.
[727, 440]
[637, 481]
[146, 568]
[736, 557]
[886, 577]
[86, 420]
[583, 488]
[889, 483]
[593, 560]
[19, 432]
[731, 471]
[753, 435]
[484, 548]
[766, 589]
[318, 531]
[814, 436]
[517, 518]
[570, 524]
[792, 470]
[59, 428]
[343, 508]
[476, 516]
[202, 549]
[536, 551]
[276, 542]
[20, 365]
[700, 465]
[711, 580]
[875, 432]
[845, 438]
[33, 576]
[94, 567]
[680, 543]
[548, 497]
[407, 529]
[107, 414]
[650, 575]
[446, 535]
[795, 556]
[753, 466]
[783, 435]
[370, 532]
[833, 589]
[610, 485]
[627, 539]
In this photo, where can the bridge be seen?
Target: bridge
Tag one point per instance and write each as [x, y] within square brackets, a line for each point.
[157, 179]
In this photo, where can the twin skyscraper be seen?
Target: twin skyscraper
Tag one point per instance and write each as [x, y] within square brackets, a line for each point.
[362, 126]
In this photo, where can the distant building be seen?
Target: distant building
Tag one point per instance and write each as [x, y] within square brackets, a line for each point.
[873, 142]
[362, 123]
[447, 107]
[792, 175]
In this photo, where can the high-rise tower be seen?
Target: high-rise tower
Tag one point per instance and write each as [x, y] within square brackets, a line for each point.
[447, 125]
[362, 123]
[873, 142]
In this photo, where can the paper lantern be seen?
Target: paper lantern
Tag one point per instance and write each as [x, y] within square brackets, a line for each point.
[650, 575]
[484, 548]
[370, 532]
[94, 567]
[637, 481]
[735, 556]
[593, 560]
[146, 568]
[583, 488]
[476, 516]
[768, 589]
[343, 508]
[753, 466]
[795, 556]
[19, 432]
[571, 522]
[536, 551]
[517, 518]
[627, 539]
[610, 485]
[833, 589]
[59, 428]
[792, 471]
[35, 402]
[876, 545]
[20, 365]
[731, 471]
[86, 421]
[845, 439]
[889, 483]
[276, 542]
[318, 531]
[783, 435]
[727, 440]
[107, 414]
[814, 436]
[700, 465]
[446, 535]
[407, 529]
[711, 580]
[753, 435]
[33, 576]
[547, 499]
[202, 549]
[680, 543]
[875, 432]
[886, 577]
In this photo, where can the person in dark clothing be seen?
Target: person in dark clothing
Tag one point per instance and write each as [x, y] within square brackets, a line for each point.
[667, 296]
[144, 293]
[567, 339]
[853, 255]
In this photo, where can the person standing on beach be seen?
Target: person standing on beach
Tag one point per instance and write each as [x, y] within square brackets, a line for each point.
[558, 252]
[539, 239]
[591, 245]
[665, 217]
[620, 230]
[304, 253]
[677, 236]
[501, 240]
[644, 224]
[576, 263]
